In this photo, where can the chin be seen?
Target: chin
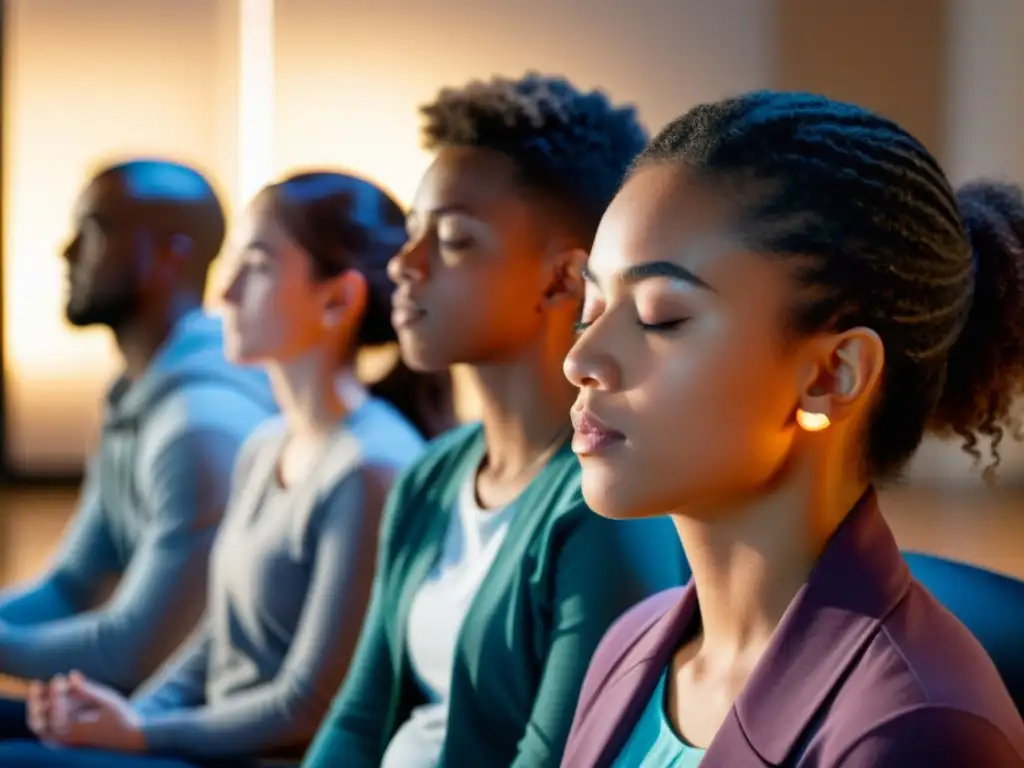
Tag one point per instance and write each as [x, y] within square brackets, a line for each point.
[622, 495]
[605, 496]
[78, 312]
[422, 356]
[237, 354]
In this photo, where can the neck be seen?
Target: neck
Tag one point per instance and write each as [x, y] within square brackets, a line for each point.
[313, 393]
[142, 338]
[525, 407]
[749, 560]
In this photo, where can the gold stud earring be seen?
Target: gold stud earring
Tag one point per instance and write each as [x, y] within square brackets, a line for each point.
[812, 422]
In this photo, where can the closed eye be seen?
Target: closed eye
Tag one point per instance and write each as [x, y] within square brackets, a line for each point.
[668, 326]
[665, 327]
[458, 244]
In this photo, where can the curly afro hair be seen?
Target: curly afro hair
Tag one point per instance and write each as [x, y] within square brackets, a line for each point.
[571, 146]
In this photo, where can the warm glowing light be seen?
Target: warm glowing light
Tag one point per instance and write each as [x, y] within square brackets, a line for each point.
[62, 121]
[812, 422]
[255, 98]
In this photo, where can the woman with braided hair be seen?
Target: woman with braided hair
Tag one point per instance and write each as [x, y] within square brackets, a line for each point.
[495, 582]
[783, 298]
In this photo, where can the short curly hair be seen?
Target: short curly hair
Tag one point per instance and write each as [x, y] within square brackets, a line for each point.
[571, 146]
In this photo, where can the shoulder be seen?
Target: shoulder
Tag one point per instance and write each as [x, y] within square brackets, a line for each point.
[441, 462]
[264, 438]
[265, 435]
[425, 487]
[931, 734]
[199, 442]
[634, 624]
[921, 636]
[619, 641]
[903, 680]
[196, 402]
[387, 438]
[194, 411]
[647, 544]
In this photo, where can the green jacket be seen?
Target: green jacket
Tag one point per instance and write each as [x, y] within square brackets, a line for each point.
[561, 576]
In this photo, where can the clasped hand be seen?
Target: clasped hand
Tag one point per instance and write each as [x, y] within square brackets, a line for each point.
[75, 712]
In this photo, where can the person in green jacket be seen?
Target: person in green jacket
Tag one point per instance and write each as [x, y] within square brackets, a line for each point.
[495, 581]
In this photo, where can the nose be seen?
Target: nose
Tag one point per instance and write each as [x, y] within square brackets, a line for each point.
[231, 287]
[410, 264]
[69, 250]
[589, 365]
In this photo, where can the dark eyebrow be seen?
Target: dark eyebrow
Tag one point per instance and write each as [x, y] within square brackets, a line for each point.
[652, 269]
[444, 210]
[100, 219]
[258, 245]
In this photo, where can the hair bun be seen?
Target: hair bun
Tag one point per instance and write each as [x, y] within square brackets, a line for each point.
[985, 374]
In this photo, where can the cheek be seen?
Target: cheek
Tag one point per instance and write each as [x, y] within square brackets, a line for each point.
[714, 420]
[263, 317]
[112, 276]
[94, 250]
[488, 300]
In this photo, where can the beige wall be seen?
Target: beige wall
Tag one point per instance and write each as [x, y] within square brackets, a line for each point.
[983, 135]
[85, 81]
[952, 73]
[350, 75]
[984, 111]
[888, 56]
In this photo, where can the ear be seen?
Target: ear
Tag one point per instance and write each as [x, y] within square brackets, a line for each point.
[345, 298]
[844, 374]
[180, 248]
[564, 275]
[170, 257]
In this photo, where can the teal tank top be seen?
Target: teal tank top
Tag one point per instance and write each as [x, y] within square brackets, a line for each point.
[653, 743]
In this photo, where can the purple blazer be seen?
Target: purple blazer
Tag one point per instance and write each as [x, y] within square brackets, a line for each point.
[865, 670]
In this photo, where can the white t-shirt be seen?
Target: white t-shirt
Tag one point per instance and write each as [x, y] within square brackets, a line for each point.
[435, 619]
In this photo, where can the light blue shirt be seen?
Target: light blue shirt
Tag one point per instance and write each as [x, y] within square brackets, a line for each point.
[653, 743]
[283, 608]
[152, 501]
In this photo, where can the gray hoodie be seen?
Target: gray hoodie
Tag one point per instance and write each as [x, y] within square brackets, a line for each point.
[152, 500]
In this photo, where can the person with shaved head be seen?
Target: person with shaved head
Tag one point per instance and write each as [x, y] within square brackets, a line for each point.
[145, 234]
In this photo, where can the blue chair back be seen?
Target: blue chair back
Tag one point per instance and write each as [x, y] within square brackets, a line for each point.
[989, 604]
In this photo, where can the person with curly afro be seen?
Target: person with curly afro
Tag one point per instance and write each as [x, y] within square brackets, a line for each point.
[791, 285]
[495, 581]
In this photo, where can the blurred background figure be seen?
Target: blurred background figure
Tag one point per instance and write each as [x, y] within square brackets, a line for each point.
[145, 234]
[306, 289]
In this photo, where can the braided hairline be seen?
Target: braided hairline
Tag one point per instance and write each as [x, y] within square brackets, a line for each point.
[895, 260]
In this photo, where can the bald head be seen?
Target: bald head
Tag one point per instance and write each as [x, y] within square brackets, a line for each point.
[144, 231]
[172, 199]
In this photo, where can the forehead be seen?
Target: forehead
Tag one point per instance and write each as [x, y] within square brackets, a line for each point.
[257, 224]
[661, 212]
[467, 178]
[103, 196]
[664, 213]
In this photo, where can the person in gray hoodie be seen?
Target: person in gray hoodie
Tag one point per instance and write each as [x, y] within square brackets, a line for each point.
[146, 232]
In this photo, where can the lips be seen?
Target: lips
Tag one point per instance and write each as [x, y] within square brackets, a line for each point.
[405, 312]
[403, 317]
[72, 282]
[592, 436]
